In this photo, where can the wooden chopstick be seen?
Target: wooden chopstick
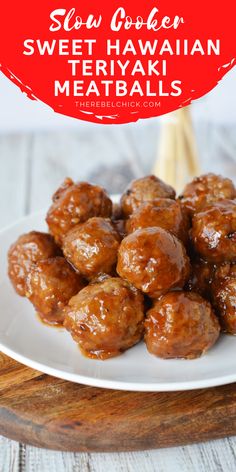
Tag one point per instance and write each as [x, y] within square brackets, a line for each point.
[177, 159]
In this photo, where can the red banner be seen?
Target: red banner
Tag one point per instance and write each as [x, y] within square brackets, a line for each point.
[116, 62]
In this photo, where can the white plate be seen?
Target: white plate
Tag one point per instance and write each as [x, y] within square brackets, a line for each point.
[52, 350]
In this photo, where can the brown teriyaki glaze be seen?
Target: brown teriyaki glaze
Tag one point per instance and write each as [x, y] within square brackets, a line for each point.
[74, 203]
[26, 251]
[214, 232]
[153, 260]
[181, 325]
[164, 213]
[205, 190]
[50, 285]
[106, 318]
[143, 190]
[223, 291]
[149, 253]
[92, 247]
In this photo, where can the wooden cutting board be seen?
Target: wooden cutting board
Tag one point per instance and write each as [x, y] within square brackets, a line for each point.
[48, 412]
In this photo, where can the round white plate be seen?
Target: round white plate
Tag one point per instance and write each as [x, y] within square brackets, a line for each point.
[52, 350]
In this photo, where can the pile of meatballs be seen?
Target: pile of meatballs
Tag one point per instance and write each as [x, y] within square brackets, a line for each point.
[153, 266]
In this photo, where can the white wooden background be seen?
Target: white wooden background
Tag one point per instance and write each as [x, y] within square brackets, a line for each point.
[31, 167]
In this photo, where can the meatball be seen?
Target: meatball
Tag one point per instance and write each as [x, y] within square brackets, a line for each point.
[153, 260]
[101, 277]
[120, 226]
[214, 232]
[144, 190]
[106, 318]
[27, 250]
[116, 212]
[117, 220]
[180, 325]
[205, 190]
[202, 273]
[224, 296]
[162, 212]
[92, 247]
[50, 285]
[224, 271]
[74, 203]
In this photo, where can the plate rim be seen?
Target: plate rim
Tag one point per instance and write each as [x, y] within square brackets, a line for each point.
[106, 383]
[116, 384]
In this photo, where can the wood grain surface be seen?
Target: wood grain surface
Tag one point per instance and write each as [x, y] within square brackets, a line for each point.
[48, 412]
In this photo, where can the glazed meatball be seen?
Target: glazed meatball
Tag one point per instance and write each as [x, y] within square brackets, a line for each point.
[224, 271]
[106, 318]
[116, 212]
[205, 190]
[92, 247]
[50, 285]
[74, 203]
[201, 277]
[143, 190]
[117, 220]
[27, 250]
[214, 232]
[162, 212]
[180, 325]
[153, 260]
[224, 296]
[120, 227]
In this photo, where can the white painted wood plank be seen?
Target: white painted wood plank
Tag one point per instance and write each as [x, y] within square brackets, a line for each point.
[42, 460]
[14, 161]
[214, 456]
[106, 152]
[111, 156]
[217, 149]
[9, 455]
